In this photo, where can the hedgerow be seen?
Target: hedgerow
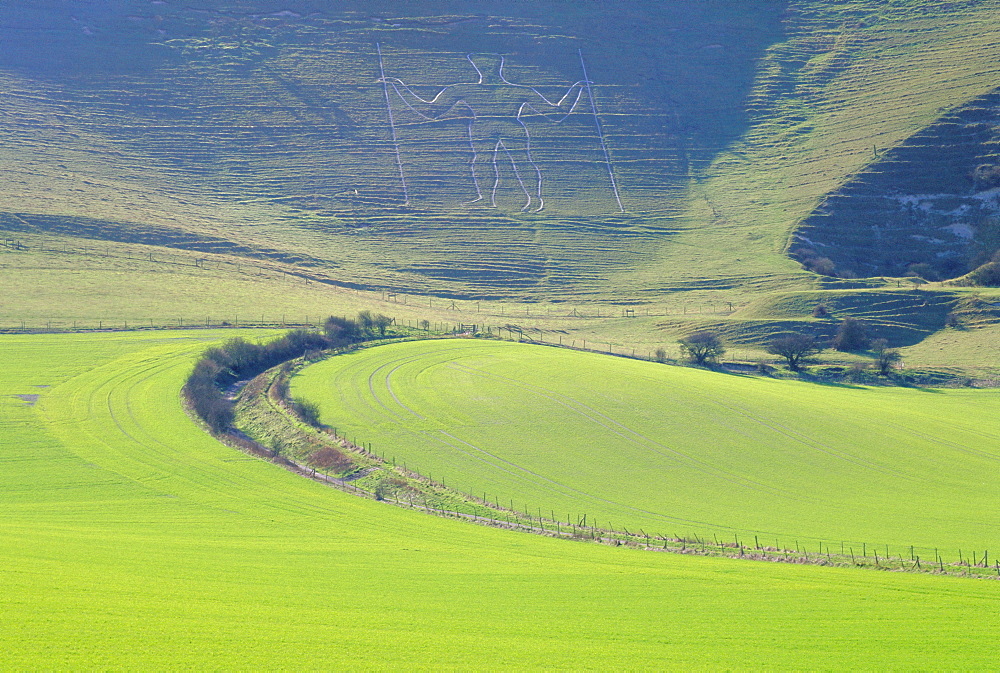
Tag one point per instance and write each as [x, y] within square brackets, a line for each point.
[239, 360]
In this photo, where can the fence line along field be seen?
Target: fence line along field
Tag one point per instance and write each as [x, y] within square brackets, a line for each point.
[133, 539]
[674, 450]
[610, 178]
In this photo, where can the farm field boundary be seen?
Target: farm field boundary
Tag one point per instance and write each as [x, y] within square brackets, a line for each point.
[509, 463]
[133, 539]
[280, 429]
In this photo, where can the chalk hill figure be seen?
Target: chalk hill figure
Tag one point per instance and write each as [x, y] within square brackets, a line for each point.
[496, 110]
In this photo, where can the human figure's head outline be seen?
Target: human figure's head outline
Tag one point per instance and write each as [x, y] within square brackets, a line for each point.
[489, 67]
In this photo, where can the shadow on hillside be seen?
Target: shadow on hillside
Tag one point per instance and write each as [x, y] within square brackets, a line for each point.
[284, 110]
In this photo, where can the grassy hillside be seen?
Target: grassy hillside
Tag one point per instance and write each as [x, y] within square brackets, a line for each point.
[929, 205]
[61, 283]
[131, 539]
[669, 449]
[258, 139]
[231, 163]
[266, 131]
[847, 77]
[269, 129]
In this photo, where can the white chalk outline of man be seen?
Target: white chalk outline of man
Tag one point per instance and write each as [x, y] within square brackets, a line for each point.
[483, 134]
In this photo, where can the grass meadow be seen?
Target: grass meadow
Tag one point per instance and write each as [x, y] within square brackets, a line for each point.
[63, 284]
[676, 451]
[132, 539]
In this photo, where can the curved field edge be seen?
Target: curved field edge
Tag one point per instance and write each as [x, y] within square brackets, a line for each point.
[270, 424]
[130, 539]
[676, 451]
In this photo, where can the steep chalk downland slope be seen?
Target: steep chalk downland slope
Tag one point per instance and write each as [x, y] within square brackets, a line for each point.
[931, 204]
[847, 78]
[726, 125]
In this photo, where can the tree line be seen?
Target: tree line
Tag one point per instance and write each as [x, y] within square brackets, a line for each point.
[239, 360]
[705, 346]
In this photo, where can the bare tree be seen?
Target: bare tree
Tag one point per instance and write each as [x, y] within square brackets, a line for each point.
[702, 347]
[381, 321]
[794, 348]
[885, 357]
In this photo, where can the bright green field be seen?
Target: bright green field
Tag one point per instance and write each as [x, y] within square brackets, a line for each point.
[676, 450]
[131, 539]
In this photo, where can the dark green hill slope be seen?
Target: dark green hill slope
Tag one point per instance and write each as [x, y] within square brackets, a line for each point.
[931, 204]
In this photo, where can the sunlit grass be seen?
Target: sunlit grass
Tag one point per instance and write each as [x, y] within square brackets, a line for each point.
[131, 539]
[675, 450]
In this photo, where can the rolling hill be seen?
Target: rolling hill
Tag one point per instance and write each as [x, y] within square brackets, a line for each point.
[604, 176]
[262, 131]
[674, 451]
[132, 539]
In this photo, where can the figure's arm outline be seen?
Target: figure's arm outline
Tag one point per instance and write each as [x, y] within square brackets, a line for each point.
[579, 86]
[435, 108]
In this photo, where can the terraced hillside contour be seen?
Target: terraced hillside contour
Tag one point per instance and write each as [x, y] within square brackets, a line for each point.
[267, 132]
[931, 205]
[272, 128]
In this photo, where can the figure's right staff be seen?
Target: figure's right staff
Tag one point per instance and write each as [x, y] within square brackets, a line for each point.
[600, 132]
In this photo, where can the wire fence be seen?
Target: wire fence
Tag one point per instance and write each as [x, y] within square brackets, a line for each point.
[422, 492]
[236, 321]
[503, 513]
[737, 360]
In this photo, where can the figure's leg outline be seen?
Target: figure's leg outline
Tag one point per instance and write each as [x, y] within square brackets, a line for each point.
[517, 174]
[531, 160]
[472, 167]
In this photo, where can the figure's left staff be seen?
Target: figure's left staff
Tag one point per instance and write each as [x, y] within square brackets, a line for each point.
[392, 125]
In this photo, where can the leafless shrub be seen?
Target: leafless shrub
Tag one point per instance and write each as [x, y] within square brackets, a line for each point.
[388, 487]
[329, 458]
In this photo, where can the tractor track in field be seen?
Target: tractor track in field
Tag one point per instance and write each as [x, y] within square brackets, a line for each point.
[114, 399]
[800, 438]
[382, 386]
[525, 522]
[403, 361]
[549, 481]
[122, 396]
[627, 433]
[592, 415]
[488, 458]
[344, 378]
